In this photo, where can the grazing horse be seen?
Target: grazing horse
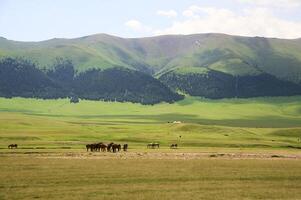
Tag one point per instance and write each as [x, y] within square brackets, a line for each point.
[153, 145]
[116, 147]
[103, 147]
[88, 146]
[13, 146]
[150, 145]
[174, 146]
[125, 147]
[109, 147]
[98, 146]
[91, 147]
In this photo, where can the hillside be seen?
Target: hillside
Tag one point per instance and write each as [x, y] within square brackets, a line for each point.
[230, 54]
[209, 65]
[22, 78]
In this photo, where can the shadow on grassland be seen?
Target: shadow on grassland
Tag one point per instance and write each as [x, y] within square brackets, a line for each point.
[234, 101]
[254, 122]
[296, 132]
[258, 122]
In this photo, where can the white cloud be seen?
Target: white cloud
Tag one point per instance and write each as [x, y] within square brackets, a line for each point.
[137, 26]
[191, 11]
[274, 3]
[197, 12]
[167, 13]
[252, 22]
[188, 13]
[134, 24]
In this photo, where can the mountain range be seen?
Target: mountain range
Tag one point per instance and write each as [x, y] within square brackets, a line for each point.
[152, 69]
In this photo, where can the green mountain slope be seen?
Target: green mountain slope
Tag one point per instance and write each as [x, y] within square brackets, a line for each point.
[255, 62]
[229, 54]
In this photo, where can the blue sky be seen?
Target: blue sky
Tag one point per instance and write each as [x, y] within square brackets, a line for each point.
[35, 20]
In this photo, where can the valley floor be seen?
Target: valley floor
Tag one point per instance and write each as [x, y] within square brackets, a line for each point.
[264, 123]
[228, 149]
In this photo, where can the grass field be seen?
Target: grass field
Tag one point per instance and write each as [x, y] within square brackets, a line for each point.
[27, 177]
[228, 149]
[230, 123]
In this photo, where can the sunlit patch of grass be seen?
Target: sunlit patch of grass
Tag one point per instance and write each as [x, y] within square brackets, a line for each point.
[231, 123]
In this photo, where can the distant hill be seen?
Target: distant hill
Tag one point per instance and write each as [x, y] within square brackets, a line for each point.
[209, 65]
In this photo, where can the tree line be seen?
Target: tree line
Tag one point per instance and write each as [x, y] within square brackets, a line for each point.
[216, 85]
[22, 78]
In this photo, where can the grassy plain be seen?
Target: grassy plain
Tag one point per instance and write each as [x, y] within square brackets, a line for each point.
[229, 149]
[230, 123]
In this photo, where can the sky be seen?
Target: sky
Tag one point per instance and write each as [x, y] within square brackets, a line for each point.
[36, 20]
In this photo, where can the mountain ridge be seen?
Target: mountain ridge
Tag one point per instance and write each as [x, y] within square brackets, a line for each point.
[173, 58]
[160, 53]
[143, 37]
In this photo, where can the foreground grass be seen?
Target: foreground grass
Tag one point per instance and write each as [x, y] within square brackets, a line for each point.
[51, 178]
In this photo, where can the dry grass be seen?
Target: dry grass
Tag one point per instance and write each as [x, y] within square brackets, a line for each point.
[31, 177]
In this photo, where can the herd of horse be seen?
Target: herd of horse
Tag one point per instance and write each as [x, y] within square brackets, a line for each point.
[157, 145]
[111, 147]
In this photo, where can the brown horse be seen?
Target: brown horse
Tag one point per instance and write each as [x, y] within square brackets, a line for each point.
[88, 146]
[93, 147]
[98, 146]
[103, 147]
[174, 146]
[13, 146]
[109, 147]
[116, 147]
[125, 147]
[153, 145]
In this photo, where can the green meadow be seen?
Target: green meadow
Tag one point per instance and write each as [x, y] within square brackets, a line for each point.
[265, 123]
[51, 162]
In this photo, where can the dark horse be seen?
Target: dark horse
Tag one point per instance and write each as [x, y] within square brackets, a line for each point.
[98, 146]
[174, 146]
[125, 147]
[103, 147]
[89, 146]
[116, 147]
[109, 147]
[156, 145]
[153, 145]
[13, 146]
[93, 147]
